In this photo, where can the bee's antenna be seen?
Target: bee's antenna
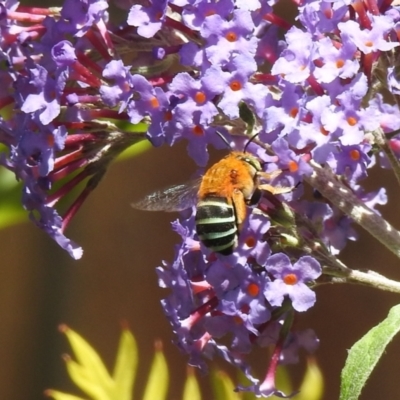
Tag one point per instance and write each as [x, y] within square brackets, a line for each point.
[250, 140]
[224, 139]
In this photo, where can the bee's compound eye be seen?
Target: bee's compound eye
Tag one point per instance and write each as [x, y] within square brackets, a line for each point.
[253, 162]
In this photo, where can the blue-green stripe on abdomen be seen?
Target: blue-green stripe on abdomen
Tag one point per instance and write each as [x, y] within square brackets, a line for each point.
[216, 224]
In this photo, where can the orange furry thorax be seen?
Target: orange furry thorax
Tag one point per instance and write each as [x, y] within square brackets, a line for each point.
[227, 176]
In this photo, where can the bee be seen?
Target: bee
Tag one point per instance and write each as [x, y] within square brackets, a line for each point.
[221, 197]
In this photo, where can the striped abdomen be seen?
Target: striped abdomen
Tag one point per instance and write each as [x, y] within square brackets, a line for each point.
[216, 224]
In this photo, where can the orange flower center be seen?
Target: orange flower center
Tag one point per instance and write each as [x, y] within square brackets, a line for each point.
[290, 279]
[253, 289]
[168, 115]
[231, 36]
[235, 85]
[351, 121]
[355, 155]
[293, 112]
[324, 131]
[198, 130]
[250, 241]
[339, 63]
[154, 102]
[200, 97]
[293, 166]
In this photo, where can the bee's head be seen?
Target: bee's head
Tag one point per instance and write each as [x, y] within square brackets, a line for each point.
[253, 161]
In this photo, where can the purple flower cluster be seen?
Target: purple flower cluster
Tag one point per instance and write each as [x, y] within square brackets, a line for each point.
[78, 90]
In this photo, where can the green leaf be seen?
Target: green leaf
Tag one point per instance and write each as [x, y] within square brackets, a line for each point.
[312, 387]
[157, 383]
[191, 390]
[56, 395]
[90, 373]
[125, 366]
[224, 387]
[140, 127]
[247, 116]
[87, 382]
[365, 353]
[135, 150]
[142, 144]
[91, 367]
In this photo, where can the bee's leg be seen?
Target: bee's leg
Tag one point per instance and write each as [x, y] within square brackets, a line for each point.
[239, 205]
[275, 189]
[255, 197]
[271, 188]
[269, 175]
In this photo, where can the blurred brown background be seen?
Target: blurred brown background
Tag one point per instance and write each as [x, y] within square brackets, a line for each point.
[41, 287]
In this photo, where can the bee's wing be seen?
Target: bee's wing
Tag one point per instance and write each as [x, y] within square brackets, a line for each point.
[174, 198]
